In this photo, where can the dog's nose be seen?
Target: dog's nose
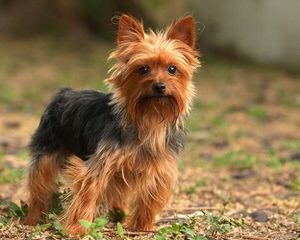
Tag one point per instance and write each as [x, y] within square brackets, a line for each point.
[159, 87]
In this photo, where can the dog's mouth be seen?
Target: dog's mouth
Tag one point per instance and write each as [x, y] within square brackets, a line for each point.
[154, 109]
[156, 97]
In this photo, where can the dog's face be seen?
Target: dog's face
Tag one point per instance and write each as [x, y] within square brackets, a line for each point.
[152, 76]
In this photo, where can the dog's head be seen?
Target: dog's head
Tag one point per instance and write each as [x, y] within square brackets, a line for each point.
[153, 72]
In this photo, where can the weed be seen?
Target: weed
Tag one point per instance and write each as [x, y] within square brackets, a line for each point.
[2, 154]
[192, 188]
[201, 183]
[236, 160]
[258, 113]
[39, 229]
[52, 225]
[179, 231]
[11, 175]
[188, 230]
[295, 185]
[296, 217]
[240, 133]
[220, 224]
[219, 122]
[22, 154]
[292, 144]
[14, 211]
[93, 229]
[273, 162]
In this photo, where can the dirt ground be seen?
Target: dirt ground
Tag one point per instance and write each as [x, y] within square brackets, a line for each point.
[239, 174]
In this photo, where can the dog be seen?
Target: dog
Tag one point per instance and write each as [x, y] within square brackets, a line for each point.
[119, 149]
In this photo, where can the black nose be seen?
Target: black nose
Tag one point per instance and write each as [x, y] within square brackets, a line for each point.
[159, 87]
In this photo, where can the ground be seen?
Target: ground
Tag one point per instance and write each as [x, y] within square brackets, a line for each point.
[238, 176]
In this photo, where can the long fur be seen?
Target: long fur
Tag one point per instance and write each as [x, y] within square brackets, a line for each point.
[127, 141]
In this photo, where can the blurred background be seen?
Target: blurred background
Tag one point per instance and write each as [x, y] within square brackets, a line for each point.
[64, 42]
[243, 149]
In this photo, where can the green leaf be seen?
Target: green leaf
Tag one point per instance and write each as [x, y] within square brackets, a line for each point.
[43, 227]
[189, 231]
[175, 227]
[57, 226]
[120, 229]
[226, 228]
[100, 222]
[201, 238]
[85, 223]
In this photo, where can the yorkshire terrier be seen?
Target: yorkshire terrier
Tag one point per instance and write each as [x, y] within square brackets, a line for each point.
[119, 149]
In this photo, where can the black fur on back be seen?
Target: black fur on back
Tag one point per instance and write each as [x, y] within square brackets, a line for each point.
[75, 122]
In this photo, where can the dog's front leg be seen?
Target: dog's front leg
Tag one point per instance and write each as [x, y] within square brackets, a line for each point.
[88, 192]
[153, 192]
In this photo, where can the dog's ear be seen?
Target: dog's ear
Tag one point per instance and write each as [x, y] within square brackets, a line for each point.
[183, 30]
[129, 30]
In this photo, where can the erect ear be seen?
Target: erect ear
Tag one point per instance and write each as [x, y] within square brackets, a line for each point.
[184, 30]
[129, 30]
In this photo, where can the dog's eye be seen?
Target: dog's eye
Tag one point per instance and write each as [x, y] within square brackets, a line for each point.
[172, 70]
[144, 70]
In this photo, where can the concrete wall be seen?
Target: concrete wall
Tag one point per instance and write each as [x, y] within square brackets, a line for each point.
[264, 30]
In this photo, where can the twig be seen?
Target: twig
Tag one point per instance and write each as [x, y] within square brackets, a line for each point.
[169, 220]
[253, 237]
[190, 209]
[129, 233]
[178, 217]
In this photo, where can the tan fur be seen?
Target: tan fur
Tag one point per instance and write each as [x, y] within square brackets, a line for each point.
[110, 183]
[157, 50]
[41, 185]
[137, 178]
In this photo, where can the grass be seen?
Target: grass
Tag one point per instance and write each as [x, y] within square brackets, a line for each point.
[229, 133]
[193, 187]
[94, 229]
[215, 226]
[258, 112]
[292, 144]
[295, 184]
[236, 160]
[11, 175]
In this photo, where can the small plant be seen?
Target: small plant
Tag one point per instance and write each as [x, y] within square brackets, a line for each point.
[179, 231]
[274, 162]
[188, 230]
[192, 188]
[292, 145]
[56, 224]
[258, 113]
[120, 230]
[11, 175]
[14, 211]
[236, 160]
[40, 228]
[52, 225]
[295, 185]
[296, 217]
[220, 224]
[219, 122]
[240, 133]
[93, 229]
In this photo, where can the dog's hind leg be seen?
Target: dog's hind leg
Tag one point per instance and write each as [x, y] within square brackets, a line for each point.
[41, 184]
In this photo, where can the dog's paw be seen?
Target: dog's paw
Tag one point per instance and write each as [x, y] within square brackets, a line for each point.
[75, 230]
